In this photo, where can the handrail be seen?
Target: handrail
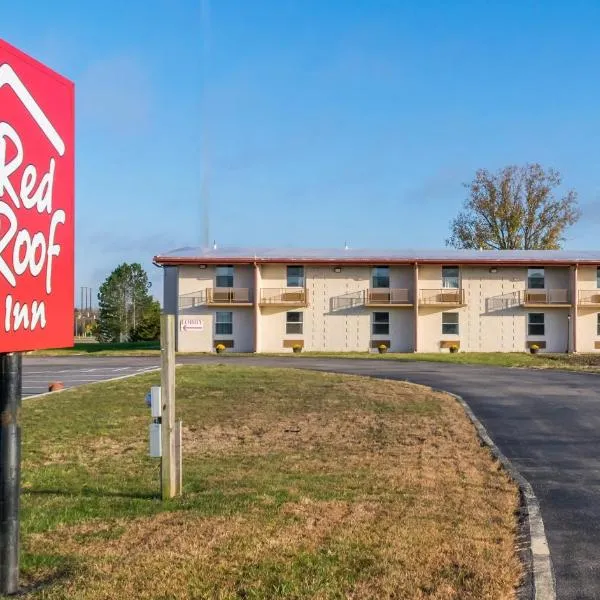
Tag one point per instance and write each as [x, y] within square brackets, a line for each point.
[450, 296]
[589, 297]
[193, 299]
[221, 295]
[546, 296]
[387, 296]
[283, 295]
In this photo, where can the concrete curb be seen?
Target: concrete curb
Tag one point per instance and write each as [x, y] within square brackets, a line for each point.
[543, 574]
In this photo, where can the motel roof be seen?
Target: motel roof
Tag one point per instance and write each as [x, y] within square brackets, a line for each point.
[330, 256]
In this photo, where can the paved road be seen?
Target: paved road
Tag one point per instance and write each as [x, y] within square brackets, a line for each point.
[38, 372]
[546, 422]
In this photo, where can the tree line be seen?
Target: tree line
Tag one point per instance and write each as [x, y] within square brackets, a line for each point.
[127, 311]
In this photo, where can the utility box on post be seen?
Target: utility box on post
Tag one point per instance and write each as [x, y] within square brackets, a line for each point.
[155, 405]
[153, 400]
[155, 441]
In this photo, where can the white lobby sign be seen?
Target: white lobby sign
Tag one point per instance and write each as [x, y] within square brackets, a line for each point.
[191, 325]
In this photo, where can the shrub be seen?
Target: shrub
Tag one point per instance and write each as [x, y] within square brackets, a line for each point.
[382, 348]
[534, 348]
[220, 348]
[297, 348]
[454, 349]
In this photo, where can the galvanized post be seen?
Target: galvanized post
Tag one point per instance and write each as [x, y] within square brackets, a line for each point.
[10, 470]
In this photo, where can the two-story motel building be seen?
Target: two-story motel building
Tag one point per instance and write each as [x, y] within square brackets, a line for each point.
[267, 300]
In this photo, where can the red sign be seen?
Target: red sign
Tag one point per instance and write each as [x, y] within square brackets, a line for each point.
[36, 204]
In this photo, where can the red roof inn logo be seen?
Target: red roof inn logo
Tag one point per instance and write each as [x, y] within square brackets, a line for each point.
[36, 204]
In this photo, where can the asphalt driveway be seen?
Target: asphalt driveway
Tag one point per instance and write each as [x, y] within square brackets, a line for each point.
[546, 422]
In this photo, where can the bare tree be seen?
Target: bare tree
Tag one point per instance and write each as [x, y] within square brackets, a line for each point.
[515, 208]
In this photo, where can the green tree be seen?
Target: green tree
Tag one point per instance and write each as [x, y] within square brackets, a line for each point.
[514, 208]
[148, 329]
[123, 299]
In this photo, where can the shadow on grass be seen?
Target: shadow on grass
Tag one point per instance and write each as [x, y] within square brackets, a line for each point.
[94, 493]
[55, 568]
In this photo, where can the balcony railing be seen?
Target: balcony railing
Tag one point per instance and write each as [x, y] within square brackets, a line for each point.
[225, 296]
[283, 297]
[192, 300]
[589, 298]
[442, 297]
[545, 297]
[387, 297]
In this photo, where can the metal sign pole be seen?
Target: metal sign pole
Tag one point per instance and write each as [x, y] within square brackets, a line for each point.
[10, 470]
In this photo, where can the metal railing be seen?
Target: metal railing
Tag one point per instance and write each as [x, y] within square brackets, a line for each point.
[551, 296]
[222, 295]
[387, 296]
[283, 296]
[589, 297]
[192, 300]
[442, 296]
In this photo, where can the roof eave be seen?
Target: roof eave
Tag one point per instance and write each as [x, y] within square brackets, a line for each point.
[368, 260]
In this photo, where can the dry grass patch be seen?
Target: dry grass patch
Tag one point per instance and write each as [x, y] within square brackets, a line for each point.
[297, 485]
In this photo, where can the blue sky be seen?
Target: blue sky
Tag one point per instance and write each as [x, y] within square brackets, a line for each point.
[323, 121]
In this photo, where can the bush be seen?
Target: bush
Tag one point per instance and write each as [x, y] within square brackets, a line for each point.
[297, 348]
[534, 348]
[382, 348]
[220, 348]
[454, 349]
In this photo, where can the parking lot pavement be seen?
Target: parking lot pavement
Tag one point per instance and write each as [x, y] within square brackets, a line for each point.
[72, 371]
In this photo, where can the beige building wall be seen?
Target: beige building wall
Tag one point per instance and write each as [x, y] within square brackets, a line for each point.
[273, 276]
[587, 316]
[587, 330]
[493, 319]
[557, 278]
[204, 340]
[193, 283]
[337, 319]
[430, 317]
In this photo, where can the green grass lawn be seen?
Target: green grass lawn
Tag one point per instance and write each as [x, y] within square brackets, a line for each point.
[105, 349]
[296, 485]
[499, 359]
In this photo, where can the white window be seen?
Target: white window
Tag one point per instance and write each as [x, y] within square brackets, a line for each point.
[450, 323]
[381, 323]
[224, 323]
[295, 276]
[451, 277]
[224, 278]
[294, 322]
[535, 279]
[380, 277]
[535, 324]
